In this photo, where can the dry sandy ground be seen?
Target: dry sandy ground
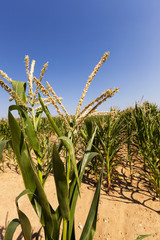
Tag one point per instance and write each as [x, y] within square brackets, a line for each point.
[127, 211]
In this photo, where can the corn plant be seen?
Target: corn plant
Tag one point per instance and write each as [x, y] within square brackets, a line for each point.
[2, 147]
[129, 129]
[108, 141]
[68, 174]
[68, 187]
[4, 129]
[111, 141]
[4, 136]
[86, 133]
[148, 138]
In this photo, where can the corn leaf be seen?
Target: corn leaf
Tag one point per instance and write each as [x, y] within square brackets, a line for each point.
[83, 134]
[88, 156]
[90, 225]
[57, 218]
[11, 228]
[30, 178]
[61, 183]
[25, 224]
[37, 118]
[70, 148]
[143, 236]
[89, 128]
[39, 210]
[29, 129]
[20, 88]
[52, 122]
[24, 221]
[2, 146]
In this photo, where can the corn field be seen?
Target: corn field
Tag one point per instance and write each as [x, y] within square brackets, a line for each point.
[71, 147]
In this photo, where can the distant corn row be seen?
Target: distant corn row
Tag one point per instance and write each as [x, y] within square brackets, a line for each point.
[135, 128]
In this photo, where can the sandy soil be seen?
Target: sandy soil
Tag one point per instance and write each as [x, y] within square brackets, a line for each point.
[127, 211]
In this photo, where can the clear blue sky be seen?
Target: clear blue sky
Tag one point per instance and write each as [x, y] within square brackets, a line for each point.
[73, 36]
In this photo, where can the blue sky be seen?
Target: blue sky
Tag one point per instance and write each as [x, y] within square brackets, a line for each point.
[72, 36]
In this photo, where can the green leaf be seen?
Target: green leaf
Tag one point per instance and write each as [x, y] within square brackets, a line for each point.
[61, 183]
[143, 236]
[23, 219]
[89, 128]
[25, 225]
[37, 118]
[88, 155]
[39, 211]
[29, 174]
[52, 122]
[11, 228]
[22, 154]
[70, 148]
[26, 191]
[20, 88]
[57, 218]
[29, 129]
[2, 146]
[83, 134]
[90, 225]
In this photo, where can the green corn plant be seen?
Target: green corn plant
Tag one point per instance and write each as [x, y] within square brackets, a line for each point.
[129, 134]
[111, 141]
[67, 185]
[142, 124]
[4, 129]
[2, 147]
[108, 141]
[86, 133]
[68, 174]
[148, 138]
[150, 108]
[75, 182]
[5, 136]
[129, 129]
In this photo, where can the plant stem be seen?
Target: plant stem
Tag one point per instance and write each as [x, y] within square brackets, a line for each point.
[68, 170]
[108, 169]
[64, 220]
[40, 170]
[64, 229]
[34, 124]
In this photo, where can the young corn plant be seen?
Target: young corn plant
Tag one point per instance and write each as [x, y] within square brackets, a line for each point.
[3, 144]
[68, 173]
[4, 129]
[107, 143]
[86, 133]
[129, 128]
[111, 141]
[4, 135]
